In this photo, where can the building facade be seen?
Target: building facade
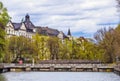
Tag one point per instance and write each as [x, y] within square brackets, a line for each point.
[27, 29]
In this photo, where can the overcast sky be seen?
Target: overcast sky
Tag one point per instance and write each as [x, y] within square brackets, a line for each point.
[83, 17]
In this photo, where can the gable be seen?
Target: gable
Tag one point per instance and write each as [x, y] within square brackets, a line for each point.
[10, 25]
[23, 27]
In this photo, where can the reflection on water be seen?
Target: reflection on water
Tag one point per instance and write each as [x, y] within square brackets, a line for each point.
[2, 78]
[61, 76]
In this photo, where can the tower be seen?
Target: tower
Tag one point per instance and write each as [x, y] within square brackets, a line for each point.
[69, 33]
[27, 17]
[28, 24]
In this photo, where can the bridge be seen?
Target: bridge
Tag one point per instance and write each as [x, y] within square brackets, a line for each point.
[117, 69]
[69, 67]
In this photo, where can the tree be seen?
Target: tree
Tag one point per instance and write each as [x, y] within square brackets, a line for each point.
[20, 48]
[117, 41]
[40, 43]
[65, 49]
[3, 21]
[106, 39]
[53, 46]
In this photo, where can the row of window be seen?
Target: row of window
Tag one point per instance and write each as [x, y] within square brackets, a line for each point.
[19, 33]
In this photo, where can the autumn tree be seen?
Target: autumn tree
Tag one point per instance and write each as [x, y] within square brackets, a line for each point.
[53, 46]
[117, 42]
[106, 39]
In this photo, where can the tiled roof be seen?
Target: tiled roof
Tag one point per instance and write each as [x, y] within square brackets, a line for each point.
[29, 25]
[17, 25]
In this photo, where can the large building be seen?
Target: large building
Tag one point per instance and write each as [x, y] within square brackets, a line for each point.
[28, 29]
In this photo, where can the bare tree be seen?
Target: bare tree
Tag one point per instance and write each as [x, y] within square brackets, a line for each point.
[105, 39]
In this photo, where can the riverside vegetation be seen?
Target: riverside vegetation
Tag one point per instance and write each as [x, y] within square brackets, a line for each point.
[105, 47]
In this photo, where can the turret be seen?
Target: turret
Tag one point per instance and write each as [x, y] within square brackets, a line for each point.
[27, 17]
[69, 33]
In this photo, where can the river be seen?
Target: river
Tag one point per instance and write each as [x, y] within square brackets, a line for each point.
[61, 76]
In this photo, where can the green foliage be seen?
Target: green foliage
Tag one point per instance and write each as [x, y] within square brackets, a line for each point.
[50, 48]
[3, 20]
[40, 47]
[18, 47]
[4, 17]
[65, 49]
[109, 42]
[53, 46]
[41, 50]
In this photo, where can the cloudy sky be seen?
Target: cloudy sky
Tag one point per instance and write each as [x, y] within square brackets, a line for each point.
[83, 17]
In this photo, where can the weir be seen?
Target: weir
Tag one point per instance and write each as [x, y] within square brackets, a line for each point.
[58, 67]
[117, 69]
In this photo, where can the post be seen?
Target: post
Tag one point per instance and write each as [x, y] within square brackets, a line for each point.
[27, 69]
[52, 68]
[73, 69]
[95, 69]
[33, 62]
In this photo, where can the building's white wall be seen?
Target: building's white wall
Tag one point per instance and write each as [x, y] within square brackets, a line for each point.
[9, 24]
[9, 29]
[21, 32]
[60, 35]
[23, 27]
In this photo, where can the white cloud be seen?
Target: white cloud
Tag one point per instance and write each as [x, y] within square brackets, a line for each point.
[84, 16]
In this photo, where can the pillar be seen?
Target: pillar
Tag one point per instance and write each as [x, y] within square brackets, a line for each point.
[52, 68]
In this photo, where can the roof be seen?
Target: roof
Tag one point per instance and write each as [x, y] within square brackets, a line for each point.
[47, 31]
[28, 23]
[17, 25]
[69, 33]
[41, 30]
[63, 35]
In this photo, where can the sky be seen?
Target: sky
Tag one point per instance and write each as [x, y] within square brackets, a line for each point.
[83, 17]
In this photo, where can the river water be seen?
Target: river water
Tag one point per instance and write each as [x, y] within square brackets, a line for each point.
[61, 76]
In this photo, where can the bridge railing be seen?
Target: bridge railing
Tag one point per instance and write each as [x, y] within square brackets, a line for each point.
[68, 62]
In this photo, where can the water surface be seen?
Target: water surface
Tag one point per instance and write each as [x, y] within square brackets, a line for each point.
[61, 76]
